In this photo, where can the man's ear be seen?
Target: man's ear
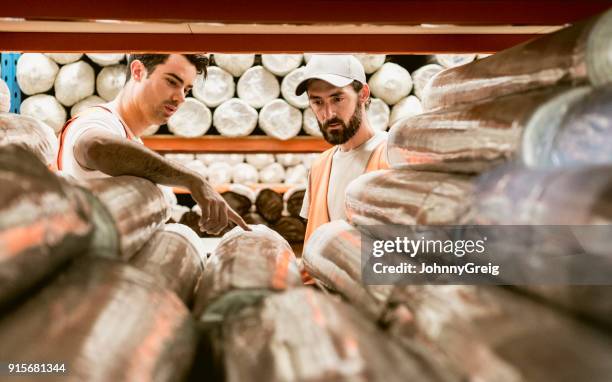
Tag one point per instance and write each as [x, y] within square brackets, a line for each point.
[138, 70]
[364, 93]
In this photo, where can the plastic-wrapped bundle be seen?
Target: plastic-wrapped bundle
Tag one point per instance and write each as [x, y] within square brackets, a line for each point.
[136, 206]
[175, 257]
[191, 219]
[177, 212]
[408, 107]
[214, 158]
[145, 331]
[453, 60]
[272, 173]
[46, 109]
[257, 87]
[218, 87]
[240, 198]
[235, 64]
[197, 166]
[259, 160]
[291, 228]
[43, 223]
[235, 118]
[269, 204]
[371, 62]
[106, 59]
[35, 73]
[466, 138]
[31, 134]
[192, 119]
[574, 55]
[5, 97]
[110, 81]
[422, 76]
[219, 173]
[280, 120]
[407, 198]
[297, 174]
[182, 158]
[294, 199]
[310, 336]
[244, 173]
[378, 114]
[254, 218]
[281, 64]
[74, 82]
[390, 83]
[85, 103]
[64, 58]
[288, 159]
[571, 129]
[310, 124]
[308, 158]
[257, 259]
[288, 86]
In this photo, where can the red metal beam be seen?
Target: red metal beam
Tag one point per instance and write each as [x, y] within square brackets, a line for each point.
[540, 12]
[258, 43]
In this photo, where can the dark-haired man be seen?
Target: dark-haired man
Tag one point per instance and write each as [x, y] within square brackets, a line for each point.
[104, 140]
[339, 97]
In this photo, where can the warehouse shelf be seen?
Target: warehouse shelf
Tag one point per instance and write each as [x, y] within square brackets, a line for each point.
[277, 187]
[220, 144]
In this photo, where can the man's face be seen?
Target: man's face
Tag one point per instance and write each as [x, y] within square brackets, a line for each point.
[338, 110]
[163, 90]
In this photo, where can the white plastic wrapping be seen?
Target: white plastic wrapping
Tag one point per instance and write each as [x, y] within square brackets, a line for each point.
[235, 118]
[219, 173]
[421, 77]
[288, 86]
[378, 114]
[35, 73]
[192, 119]
[390, 83]
[407, 107]
[259, 160]
[74, 82]
[45, 108]
[217, 88]
[452, 60]
[307, 159]
[64, 58]
[214, 158]
[272, 173]
[106, 59]
[110, 81]
[280, 120]
[371, 62]
[310, 124]
[244, 173]
[235, 64]
[85, 103]
[281, 64]
[29, 133]
[297, 174]
[5, 97]
[257, 86]
[289, 159]
[182, 158]
[198, 167]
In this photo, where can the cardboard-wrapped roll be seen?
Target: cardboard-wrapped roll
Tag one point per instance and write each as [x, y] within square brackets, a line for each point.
[240, 198]
[466, 138]
[294, 199]
[253, 218]
[74, 82]
[217, 88]
[574, 55]
[406, 198]
[269, 204]
[310, 124]
[378, 114]
[281, 64]
[106, 59]
[104, 321]
[297, 174]
[280, 120]
[192, 119]
[110, 81]
[371, 62]
[235, 118]
[46, 109]
[64, 58]
[453, 60]
[272, 173]
[85, 103]
[257, 86]
[35, 73]
[288, 86]
[290, 228]
[219, 173]
[422, 76]
[137, 207]
[259, 160]
[244, 173]
[5, 97]
[243, 260]
[235, 64]
[31, 134]
[407, 107]
[390, 83]
[175, 257]
[43, 222]
[571, 129]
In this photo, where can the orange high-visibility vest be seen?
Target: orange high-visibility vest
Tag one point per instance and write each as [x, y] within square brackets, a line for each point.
[318, 182]
[64, 130]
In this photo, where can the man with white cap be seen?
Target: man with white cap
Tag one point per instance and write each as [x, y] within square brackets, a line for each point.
[339, 97]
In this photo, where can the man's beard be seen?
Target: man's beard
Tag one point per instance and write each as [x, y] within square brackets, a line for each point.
[346, 132]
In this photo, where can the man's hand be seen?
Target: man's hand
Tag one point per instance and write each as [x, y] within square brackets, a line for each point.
[216, 213]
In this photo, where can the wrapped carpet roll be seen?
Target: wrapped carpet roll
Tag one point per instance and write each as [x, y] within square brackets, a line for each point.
[407, 107]
[272, 173]
[280, 120]
[218, 87]
[85, 103]
[46, 109]
[219, 173]
[35, 73]
[177, 212]
[254, 218]
[378, 114]
[308, 158]
[198, 166]
[235, 118]
[106, 59]
[235, 64]
[281, 64]
[192, 119]
[5, 97]
[288, 86]
[182, 158]
[422, 76]
[244, 173]
[257, 86]
[289, 159]
[259, 160]
[110, 81]
[240, 198]
[213, 158]
[74, 82]
[390, 83]
[371, 62]
[191, 219]
[31, 134]
[294, 199]
[269, 204]
[310, 124]
[453, 60]
[64, 58]
[297, 174]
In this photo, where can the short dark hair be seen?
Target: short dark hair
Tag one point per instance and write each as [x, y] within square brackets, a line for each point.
[150, 61]
[357, 86]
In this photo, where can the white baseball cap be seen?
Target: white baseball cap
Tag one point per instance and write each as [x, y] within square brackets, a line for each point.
[338, 70]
